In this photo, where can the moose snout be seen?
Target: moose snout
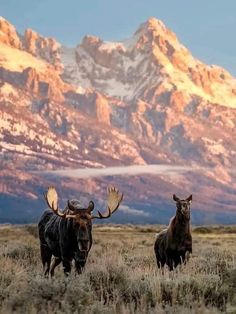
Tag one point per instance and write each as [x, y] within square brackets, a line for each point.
[83, 239]
[83, 245]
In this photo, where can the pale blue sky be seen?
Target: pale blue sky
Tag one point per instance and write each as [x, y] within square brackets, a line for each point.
[206, 27]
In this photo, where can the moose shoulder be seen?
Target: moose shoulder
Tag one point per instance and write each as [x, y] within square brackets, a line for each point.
[67, 235]
[174, 244]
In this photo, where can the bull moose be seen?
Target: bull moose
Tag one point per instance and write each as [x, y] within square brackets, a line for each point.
[174, 244]
[67, 235]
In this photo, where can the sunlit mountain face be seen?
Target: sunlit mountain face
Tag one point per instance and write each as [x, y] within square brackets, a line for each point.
[144, 102]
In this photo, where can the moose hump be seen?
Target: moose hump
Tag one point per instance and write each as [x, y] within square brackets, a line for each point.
[76, 204]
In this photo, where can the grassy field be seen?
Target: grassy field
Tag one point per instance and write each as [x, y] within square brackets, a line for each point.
[121, 274]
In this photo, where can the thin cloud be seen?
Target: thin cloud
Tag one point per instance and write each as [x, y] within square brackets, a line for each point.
[131, 211]
[133, 170]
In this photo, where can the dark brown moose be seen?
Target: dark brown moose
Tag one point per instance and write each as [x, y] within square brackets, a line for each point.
[67, 235]
[174, 244]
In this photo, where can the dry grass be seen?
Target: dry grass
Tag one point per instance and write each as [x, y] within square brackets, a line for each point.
[121, 275]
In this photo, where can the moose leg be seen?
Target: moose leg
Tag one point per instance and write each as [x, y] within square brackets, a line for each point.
[182, 258]
[170, 260]
[56, 261]
[66, 265]
[178, 259]
[160, 262]
[158, 259]
[78, 267]
[187, 255]
[170, 263]
[46, 256]
[160, 255]
[80, 261]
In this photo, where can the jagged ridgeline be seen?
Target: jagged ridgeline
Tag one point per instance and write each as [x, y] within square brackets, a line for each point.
[143, 100]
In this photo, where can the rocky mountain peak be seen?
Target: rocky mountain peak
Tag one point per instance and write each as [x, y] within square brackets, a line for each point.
[8, 34]
[43, 47]
[154, 31]
[152, 24]
[91, 40]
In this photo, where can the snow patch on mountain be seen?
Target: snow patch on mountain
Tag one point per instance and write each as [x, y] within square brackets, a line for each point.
[17, 60]
[109, 46]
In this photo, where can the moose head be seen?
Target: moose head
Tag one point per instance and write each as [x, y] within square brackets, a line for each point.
[82, 217]
[183, 207]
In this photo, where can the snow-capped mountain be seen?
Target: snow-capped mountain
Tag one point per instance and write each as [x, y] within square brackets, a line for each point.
[144, 100]
[153, 59]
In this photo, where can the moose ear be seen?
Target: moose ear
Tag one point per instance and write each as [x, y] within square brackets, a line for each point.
[175, 198]
[189, 199]
[91, 206]
[70, 206]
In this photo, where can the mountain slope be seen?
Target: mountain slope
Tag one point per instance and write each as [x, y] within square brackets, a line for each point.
[142, 101]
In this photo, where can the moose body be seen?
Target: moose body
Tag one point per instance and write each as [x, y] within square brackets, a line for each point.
[61, 238]
[174, 244]
[67, 235]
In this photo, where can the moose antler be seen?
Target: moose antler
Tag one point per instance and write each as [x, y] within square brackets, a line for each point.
[113, 202]
[51, 198]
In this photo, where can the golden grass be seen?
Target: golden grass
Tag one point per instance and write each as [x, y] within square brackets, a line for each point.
[121, 275]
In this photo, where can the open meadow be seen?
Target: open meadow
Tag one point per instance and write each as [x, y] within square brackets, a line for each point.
[121, 274]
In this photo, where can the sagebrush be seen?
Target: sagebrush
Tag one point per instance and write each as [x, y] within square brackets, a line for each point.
[121, 275]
